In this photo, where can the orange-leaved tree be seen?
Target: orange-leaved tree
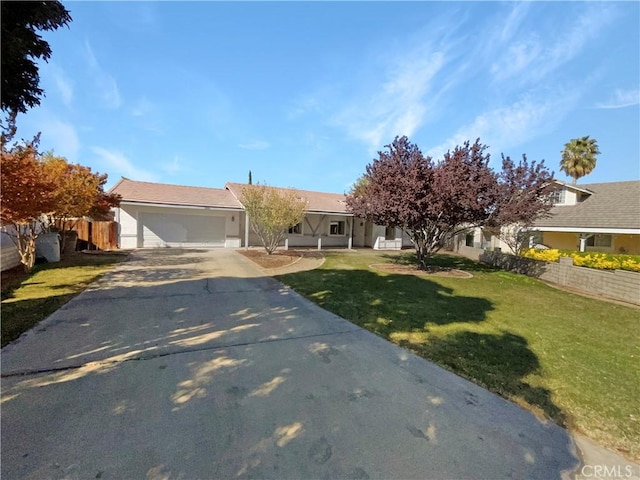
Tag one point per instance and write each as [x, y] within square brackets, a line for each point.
[25, 195]
[79, 192]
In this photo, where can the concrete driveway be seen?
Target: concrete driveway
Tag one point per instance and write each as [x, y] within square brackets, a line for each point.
[192, 364]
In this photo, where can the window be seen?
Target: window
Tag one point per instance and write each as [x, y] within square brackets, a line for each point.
[535, 238]
[296, 229]
[390, 233]
[599, 240]
[557, 196]
[336, 228]
[468, 239]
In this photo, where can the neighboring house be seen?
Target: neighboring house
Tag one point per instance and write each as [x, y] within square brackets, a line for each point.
[602, 217]
[599, 217]
[162, 215]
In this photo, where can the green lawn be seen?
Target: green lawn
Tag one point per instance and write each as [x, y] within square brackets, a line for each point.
[566, 357]
[28, 299]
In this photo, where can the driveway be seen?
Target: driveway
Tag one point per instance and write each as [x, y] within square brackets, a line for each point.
[193, 364]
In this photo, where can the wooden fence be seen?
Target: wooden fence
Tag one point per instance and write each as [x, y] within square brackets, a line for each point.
[96, 235]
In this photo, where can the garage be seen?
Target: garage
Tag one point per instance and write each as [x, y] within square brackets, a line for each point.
[153, 215]
[181, 230]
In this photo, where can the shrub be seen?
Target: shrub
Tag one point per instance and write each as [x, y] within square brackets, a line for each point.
[600, 261]
[546, 255]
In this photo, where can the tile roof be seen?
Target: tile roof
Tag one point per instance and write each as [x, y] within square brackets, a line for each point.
[612, 205]
[165, 194]
[317, 201]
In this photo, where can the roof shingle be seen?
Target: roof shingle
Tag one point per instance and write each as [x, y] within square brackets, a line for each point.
[162, 193]
[612, 205]
[316, 201]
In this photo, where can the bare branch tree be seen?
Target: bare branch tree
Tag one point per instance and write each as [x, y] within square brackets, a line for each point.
[272, 211]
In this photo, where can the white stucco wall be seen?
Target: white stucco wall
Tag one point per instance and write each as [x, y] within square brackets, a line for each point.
[127, 218]
[380, 241]
[131, 231]
[9, 257]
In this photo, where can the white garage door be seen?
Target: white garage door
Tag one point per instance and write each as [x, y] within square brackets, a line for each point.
[180, 230]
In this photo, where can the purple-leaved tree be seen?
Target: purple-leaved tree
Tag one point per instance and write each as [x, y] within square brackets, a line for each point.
[434, 201]
[525, 190]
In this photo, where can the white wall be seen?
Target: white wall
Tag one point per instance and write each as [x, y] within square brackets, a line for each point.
[9, 252]
[127, 218]
[131, 229]
[380, 242]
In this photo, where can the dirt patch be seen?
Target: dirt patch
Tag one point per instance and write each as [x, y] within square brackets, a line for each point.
[413, 270]
[276, 260]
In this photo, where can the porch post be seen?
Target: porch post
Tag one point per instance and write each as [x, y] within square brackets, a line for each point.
[583, 240]
[246, 230]
[351, 234]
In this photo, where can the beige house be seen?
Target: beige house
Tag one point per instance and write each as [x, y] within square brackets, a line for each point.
[599, 217]
[163, 215]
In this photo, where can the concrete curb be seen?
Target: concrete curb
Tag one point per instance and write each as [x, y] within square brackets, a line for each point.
[597, 462]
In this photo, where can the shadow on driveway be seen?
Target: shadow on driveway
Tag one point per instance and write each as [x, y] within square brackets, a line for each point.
[233, 375]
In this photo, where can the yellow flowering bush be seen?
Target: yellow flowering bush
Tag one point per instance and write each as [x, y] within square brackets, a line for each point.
[546, 255]
[600, 261]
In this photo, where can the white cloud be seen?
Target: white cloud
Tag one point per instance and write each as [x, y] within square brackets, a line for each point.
[106, 86]
[63, 84]
[255, 145]
[174, 166]
[118, 165]
[519, 57]
[621, 99]
[514, 21]
[61, 137]
[542, 52]
[507, 127]
[397, 106]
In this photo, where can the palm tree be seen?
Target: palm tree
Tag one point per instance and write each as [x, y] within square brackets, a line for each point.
[579, 157]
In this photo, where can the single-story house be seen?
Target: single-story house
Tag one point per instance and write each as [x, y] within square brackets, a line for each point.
[163, 215]
[160, 215]
[599, 217]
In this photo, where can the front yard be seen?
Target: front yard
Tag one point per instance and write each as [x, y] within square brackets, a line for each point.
[28, 299]
[564, 356]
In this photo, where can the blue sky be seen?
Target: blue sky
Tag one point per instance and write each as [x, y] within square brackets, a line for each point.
[305, 94]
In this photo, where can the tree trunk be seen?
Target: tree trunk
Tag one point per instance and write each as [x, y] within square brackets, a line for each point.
[421, 255]
[27, 250]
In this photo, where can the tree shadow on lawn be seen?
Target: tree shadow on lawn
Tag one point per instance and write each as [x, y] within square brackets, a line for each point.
[22, 315]
[387, 303]
[408, 310]
[498, 362]
[442, 260]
